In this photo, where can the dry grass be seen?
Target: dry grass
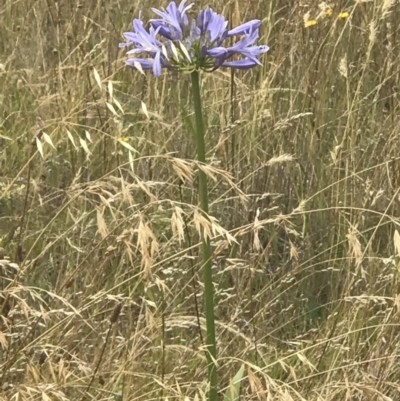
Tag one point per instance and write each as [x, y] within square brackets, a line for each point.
[100, 276]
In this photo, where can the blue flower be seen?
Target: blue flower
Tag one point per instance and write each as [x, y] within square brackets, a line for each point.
[176, 42]
[173, 20]
[145, 42]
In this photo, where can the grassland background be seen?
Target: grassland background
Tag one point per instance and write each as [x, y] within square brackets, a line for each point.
[100, 271]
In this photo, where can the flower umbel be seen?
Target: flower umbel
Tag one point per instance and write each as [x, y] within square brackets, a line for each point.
[181, 43]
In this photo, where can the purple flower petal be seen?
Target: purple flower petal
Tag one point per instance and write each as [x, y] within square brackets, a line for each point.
[252, 52]
[246, 27]
[146, 63]
[217, 51]
[157, 65]
[173, 19]
[240, 64]
[169, 22]
[212, 24]
[257, 50]
[184, 9]
[163, 30]
[247, 40]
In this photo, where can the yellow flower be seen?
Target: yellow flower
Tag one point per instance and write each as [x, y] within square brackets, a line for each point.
[328, 12]
[124, 138]
[343, 14]
[310, 22]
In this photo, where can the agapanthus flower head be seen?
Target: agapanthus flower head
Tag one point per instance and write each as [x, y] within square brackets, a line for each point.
[179, 42]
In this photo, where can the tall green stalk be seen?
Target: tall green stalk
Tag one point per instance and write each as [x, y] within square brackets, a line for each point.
[207, 262]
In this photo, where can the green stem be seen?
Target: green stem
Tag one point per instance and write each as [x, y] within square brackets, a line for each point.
[207, 267]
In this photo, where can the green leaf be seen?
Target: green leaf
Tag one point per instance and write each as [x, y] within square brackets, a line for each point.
[233, 392]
